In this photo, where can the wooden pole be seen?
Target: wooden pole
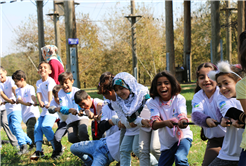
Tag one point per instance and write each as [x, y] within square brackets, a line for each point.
[134, 43]
[241, 21]
[187, 42]
[170, 37]
[215, 18]
[57, 28]
[40, 28]
[228, 32]
[70, 25]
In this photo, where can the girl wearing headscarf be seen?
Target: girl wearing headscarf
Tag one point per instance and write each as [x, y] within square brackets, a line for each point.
[130, 100]
[50, 55]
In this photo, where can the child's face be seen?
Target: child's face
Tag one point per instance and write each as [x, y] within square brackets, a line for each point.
[3, 75]
[67, 85]
[164, 88]
[110, 95]
[56, 98]
[86, 104]
[122, 92]
[227, 86]
[19, 83]
[204, 82]
[44, 70]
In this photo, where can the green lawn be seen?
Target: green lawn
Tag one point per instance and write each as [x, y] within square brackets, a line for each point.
[68, 159]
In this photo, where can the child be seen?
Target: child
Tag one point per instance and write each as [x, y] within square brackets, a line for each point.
[5, 125]
[62, 127]
[167, 106]
[76, 125]
[50, 55]
[92, 108]
[105, 88]
[241, 92]
[46, 120]
[25, 95]
[204, 111]
[130, 98]
[13, 111]
[226, 78]
[103, 151]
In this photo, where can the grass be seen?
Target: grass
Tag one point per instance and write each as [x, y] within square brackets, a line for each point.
[8, 157]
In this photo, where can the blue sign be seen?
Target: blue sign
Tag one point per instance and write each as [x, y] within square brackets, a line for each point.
[73, 41]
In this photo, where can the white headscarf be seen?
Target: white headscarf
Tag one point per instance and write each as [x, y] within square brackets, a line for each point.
[51, 52]
[137, 95]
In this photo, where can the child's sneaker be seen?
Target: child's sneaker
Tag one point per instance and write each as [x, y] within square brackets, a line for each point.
[55, 155]
[23, 150]
[36, 155]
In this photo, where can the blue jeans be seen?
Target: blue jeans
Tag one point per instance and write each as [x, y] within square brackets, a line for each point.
[97, 149]
[44, 126]
[14, 119]
[129, 144]
[242, 159]
[176, 153]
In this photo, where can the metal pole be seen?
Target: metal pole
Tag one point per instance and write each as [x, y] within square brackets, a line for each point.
[40, 28]
[228, 32]
[57, 29]
[134, 50]
[170, 35]
[241, 21]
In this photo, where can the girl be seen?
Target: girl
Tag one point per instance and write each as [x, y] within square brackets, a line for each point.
[50, 55]
[204, 108]
[145, 136]
[226, 78]
[130, 99]
[167, 106]
[241, 92]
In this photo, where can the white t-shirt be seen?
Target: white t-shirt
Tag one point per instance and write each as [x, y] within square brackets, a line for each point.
[44, 88]
[2, 107]
[7, 90]
[25, 94]
[62, 117]
[130, 131]
[231, 145]
[67, 99]
[200, 103]
[107, 114]
[95, 101]
[176, 107]
[113, 145]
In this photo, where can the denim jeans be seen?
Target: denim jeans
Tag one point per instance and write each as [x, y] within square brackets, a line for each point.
[242, 159]
[44, 126]
[176, 153]
[14, 119]
[129, 144]
[97, 149]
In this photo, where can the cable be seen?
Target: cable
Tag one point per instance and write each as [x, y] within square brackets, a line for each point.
[100, 10]
[9, 22]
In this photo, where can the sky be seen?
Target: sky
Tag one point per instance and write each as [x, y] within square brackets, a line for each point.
[13, 14]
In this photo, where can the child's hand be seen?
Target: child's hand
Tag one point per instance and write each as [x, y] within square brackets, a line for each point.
[210, 122]
[47, 105]
[80, 113]
[132, 124]
[181, 123]
[223, 122]
[236, 124]
[120, 125]
[110, 122]
[169, 123]
[145, 122]
[41, 104]
[28, 104]
[73, 111]
[12, 101]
